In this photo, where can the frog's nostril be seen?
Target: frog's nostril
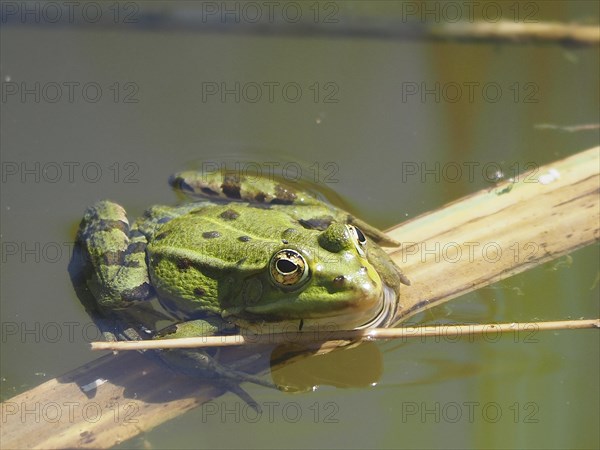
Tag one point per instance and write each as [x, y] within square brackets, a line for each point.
[339, 281]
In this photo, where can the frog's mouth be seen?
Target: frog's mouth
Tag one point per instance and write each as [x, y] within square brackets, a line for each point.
[382, 317]
[389, 307]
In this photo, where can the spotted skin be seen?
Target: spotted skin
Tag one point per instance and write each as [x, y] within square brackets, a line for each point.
[233, 187]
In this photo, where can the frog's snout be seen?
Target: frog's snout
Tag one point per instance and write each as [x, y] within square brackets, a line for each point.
[364, 285]
[363, 279]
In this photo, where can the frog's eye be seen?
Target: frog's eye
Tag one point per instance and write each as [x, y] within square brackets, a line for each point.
[288, 268]
[359, 239]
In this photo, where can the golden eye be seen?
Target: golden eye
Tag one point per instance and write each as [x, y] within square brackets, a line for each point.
[288, 268]
[359, 239]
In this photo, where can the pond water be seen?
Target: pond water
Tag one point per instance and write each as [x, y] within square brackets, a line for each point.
[92, 111]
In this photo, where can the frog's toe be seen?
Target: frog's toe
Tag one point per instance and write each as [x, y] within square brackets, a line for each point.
[235, 387]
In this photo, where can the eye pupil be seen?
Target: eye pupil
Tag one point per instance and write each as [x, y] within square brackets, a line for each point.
[361, 237]
[358, 238]
[286, 266]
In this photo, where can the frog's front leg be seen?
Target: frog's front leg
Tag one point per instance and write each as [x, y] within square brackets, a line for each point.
[197, 362]
[115, 257]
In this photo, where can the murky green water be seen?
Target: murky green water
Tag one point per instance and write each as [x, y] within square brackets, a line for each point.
[357, 116]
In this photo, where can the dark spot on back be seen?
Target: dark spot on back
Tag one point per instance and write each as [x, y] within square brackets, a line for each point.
[179, 183]
[161, 236]
[131, 263]
[164, 219]
[260, 197]
[244, 238]
[135, 233]
[136, 247]
[211, 234]
[283, 195]
[231, 186]
[107, 225]
[112, 258]
[317, 223]
[230, 214]
[199, 292]
[183, 264]
[208, 191]
[278, 201]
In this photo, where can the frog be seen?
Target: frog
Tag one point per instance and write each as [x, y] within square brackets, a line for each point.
[241, 253]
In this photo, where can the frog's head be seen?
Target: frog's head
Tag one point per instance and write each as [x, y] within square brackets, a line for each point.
[334, 278]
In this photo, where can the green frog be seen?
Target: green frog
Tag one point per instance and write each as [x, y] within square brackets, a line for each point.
[243, 254]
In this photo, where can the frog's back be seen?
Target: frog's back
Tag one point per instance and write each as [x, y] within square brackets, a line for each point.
[226, 232]
[203, 255]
